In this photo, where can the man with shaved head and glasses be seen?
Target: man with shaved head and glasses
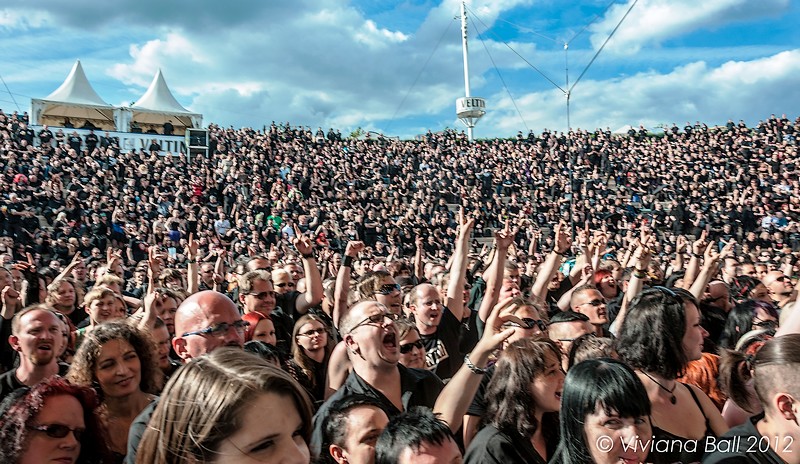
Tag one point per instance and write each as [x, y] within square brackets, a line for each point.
[369, 332]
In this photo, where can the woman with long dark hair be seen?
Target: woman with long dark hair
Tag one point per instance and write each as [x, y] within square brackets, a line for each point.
[658, 339]
[523, 399]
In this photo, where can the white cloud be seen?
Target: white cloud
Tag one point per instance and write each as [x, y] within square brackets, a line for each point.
[653, 21]
[22, 19]
[688, 93]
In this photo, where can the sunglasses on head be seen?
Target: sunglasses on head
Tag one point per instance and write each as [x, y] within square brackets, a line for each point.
[57, 430]
[405, 349]
[387, 289]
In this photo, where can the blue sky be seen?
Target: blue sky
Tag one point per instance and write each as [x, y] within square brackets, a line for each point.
[395, 67]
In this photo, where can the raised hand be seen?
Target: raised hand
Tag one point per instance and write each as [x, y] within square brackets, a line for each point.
[354, 248]
[563, 240]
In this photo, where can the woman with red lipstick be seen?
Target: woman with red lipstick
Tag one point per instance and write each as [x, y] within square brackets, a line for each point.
[51, 422]
[658, 338]
[119, 361]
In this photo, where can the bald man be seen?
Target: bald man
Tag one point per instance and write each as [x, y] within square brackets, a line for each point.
[780, 288]
[204, 322]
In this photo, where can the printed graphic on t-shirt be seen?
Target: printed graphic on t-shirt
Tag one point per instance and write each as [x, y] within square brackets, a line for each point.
[436, 355]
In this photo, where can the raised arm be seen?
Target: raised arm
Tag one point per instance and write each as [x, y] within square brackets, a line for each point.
[710, 267]
[641, 261]
[193, 276]
[75, 261]
[494, 275]
[693, 268]
[454, 400]
[419, 269]
[314, 291]
[458, 272]
[563, 242]
[342, 287]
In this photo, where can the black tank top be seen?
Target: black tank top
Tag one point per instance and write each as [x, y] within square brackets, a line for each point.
[679, 449]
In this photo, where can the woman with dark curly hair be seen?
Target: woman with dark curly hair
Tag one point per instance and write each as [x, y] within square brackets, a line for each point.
[658, 339]
[52, 421]
[119, 361]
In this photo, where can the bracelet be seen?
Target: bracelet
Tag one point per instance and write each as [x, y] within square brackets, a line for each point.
[308, 256]
[639, 274]
[695, 255]
[475, 369]
[559, 254]
[347, 261]
[191, 261]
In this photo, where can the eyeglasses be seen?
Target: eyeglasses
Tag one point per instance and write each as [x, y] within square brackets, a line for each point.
[221, 329]
[312, 332]
[528, 323]
[765, 324]
[387, 289]
[57, 430]
[594, 303]
[285, 284]
[405, 349]
[261, 295]
[376, 319]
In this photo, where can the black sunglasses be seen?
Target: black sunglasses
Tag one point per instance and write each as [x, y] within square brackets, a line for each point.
[285, 284]
[528, 323]
[57, 430]
[405, 349]
[261, 295]
[387, 289]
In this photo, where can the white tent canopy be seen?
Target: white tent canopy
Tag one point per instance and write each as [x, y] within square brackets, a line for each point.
[74, 101]
[158, 106]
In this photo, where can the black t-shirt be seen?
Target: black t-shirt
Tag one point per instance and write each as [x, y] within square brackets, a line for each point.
[9, 381]
[442, 354]
[419, 388]
[744, 444]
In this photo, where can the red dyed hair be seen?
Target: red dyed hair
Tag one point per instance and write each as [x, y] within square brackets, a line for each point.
[253, 318]
[703, 374]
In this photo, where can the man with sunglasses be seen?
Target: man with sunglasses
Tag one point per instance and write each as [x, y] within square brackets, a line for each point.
[780, 288]
[205, 321]
[372, 342]
[588, 300]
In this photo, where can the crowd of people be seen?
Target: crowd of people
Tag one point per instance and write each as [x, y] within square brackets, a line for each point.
[298, 296]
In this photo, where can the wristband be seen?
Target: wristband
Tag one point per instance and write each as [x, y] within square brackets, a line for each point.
[695, 255]
[559, 254]
[347, 261]
[308, 256]
[191, 261]
[475, 369]
[639, 274]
